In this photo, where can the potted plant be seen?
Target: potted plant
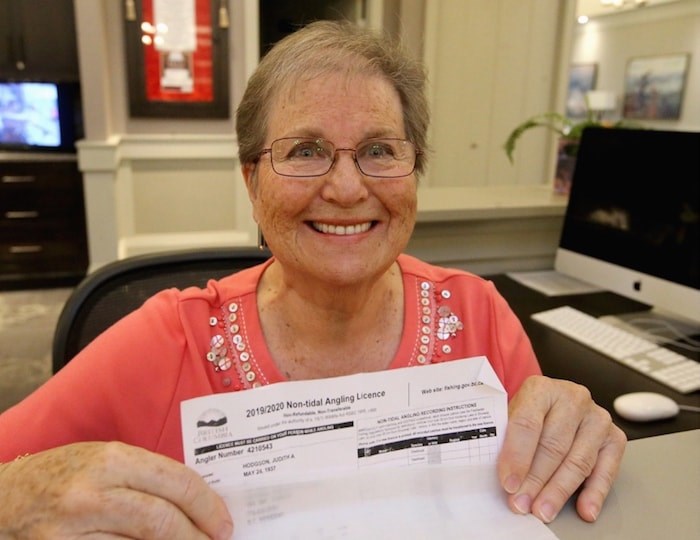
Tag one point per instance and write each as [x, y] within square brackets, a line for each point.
[569, 131]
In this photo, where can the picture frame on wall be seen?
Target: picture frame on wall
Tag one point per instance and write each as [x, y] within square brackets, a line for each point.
[582, 79]
[654, 87]
[177, 58]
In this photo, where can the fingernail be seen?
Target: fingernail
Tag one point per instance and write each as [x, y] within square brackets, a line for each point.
[511, 484]
[547, 512]
[522, 503]
[594, 510]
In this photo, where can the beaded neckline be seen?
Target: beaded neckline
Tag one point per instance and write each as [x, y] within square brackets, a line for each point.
[231, 357]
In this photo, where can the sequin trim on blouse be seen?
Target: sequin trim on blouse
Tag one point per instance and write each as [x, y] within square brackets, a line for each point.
[229, 350]
[438, 324]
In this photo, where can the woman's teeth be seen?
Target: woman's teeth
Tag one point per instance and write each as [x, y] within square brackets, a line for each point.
[342, 230]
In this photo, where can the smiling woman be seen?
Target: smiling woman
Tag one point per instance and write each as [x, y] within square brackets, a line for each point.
[325, 304]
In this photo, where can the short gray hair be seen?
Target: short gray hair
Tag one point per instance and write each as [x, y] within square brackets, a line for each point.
[326, 47]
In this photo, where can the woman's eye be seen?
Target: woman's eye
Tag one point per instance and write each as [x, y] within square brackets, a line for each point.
[303, 151]
[310, 150]
[378, 151]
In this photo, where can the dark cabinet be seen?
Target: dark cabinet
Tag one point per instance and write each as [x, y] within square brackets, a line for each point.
[37, 40]
[43, 238]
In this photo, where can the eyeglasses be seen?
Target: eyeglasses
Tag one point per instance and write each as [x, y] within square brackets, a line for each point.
[307, 157]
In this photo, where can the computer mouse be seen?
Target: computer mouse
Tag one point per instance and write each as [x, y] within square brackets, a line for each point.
[645, 406]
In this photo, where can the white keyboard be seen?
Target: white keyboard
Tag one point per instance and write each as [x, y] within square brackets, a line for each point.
[663, 365]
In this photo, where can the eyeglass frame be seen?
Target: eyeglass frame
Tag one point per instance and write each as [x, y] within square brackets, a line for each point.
[416, 153]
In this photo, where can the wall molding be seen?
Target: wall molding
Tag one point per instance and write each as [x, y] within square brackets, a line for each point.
[109, 179]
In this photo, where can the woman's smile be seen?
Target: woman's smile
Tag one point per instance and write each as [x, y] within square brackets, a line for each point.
[342, 230]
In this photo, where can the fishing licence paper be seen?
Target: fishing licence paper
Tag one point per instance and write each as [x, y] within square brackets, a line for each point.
[448, 413]
[394, 455]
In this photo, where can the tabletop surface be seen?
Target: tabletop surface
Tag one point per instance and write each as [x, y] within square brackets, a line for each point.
[656, 494]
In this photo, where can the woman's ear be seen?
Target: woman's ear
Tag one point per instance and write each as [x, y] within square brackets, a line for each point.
[249, 171]
[250, 177]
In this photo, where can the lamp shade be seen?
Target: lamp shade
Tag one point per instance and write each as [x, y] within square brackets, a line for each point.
[600, 100]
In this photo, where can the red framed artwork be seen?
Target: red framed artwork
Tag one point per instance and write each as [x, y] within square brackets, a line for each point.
[177, 58]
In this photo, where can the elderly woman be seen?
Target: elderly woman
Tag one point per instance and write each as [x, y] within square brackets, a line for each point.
[332, 131]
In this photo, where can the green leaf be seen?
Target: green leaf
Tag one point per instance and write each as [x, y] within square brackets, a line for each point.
[552, 120]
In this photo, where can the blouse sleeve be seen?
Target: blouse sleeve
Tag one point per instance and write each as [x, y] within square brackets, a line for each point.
[514, 350]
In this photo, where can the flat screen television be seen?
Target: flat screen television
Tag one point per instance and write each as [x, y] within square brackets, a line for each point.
[39, 116]
[632, 223]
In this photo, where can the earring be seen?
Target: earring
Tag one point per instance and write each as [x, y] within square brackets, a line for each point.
[262, 244]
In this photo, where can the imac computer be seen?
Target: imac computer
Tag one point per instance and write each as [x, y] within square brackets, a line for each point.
[632, 224]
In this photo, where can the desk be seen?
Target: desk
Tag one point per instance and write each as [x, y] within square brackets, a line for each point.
[562, 358]
[656, 494]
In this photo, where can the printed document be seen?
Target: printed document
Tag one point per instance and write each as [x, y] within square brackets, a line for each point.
[404, 453]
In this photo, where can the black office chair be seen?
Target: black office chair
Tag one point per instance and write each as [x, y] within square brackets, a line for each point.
[116, 289]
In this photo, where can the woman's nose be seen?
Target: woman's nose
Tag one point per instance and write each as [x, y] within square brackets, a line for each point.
[345, 184]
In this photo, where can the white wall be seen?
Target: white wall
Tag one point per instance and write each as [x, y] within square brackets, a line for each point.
[152, 182]
[492, 64]
[610, 41]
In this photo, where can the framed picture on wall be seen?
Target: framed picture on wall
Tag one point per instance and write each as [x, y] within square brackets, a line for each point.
[582, 78]
[177, 58]
[654, 87]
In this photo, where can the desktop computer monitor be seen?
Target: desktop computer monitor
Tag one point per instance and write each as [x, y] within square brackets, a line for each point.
[633, 218]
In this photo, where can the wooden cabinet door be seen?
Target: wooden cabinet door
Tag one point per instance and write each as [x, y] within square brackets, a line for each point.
[37, 40]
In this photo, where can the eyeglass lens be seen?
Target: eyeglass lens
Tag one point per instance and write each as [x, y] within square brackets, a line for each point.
[383, 158]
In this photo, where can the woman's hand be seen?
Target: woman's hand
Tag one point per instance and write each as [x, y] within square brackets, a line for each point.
[557, 440]
[107, 490]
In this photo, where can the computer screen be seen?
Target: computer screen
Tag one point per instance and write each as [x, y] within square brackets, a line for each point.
[632, 224]
[39, 116]
[29, 114]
